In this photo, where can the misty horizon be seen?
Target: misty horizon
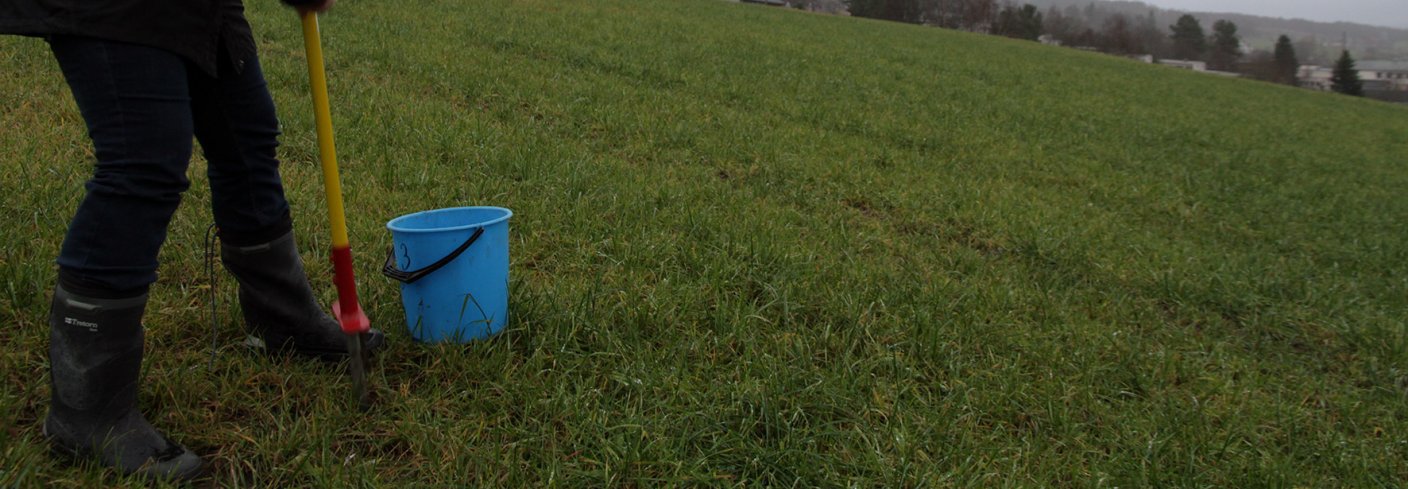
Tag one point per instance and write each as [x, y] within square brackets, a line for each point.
[1381, 13]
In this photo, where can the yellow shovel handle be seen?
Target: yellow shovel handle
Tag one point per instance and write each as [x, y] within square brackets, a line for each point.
[322, 115]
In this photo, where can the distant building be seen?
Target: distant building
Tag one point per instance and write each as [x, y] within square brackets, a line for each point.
[1389, 75]
[1198, 66]
[1314, 77]
[1376, 76]
[1185, 64]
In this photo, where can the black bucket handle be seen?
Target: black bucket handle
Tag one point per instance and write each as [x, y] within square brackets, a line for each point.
[394, 272]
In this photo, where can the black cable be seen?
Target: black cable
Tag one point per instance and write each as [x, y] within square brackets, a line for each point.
[212, 234]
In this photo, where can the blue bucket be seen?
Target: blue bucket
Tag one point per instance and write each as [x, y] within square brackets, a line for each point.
[453, 268]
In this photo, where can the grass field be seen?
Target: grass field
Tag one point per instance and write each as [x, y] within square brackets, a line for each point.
[759, 247]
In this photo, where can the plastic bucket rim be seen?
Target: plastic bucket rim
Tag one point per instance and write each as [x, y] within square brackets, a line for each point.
[507, 213]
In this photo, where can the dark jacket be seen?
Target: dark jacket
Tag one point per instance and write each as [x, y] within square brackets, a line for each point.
[194, 29]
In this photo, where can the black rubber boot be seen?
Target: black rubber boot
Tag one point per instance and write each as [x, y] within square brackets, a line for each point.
[95, 360]
[279, 308]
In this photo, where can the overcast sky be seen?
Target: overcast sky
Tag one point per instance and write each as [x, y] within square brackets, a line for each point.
[1392, 13]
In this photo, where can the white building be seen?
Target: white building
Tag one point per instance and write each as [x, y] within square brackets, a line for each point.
[1377, 76]
[1314, 77]
[1185, 64]
[1391, 75]
[1198, 66]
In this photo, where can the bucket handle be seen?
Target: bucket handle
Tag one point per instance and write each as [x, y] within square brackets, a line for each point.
[394, 272]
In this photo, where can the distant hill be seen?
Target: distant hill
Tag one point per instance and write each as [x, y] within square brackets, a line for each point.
[1316, 42]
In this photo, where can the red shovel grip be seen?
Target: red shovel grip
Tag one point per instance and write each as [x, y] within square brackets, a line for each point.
[347, 310]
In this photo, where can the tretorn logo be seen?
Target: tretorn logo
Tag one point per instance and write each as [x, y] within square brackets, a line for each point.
[82, 324]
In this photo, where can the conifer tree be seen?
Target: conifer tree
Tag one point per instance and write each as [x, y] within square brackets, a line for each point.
[896, 10]
[1285, 60]
[1346, 78]
[1226, 46]
[1189, 42]
[1020, 23]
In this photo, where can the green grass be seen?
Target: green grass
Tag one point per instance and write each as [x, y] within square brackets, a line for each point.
[760, 247]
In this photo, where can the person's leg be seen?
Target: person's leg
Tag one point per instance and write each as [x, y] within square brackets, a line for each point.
[238, 131]
[136, 106]
[137, 109]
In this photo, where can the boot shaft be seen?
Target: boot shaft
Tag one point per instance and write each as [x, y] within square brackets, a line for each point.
[279, 305]
[273, 289]
[95, 351]
[95, 367]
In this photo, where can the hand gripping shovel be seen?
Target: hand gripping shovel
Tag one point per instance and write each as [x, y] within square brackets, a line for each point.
[348, 312]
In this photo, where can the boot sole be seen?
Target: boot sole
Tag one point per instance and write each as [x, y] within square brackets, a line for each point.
[75, 456]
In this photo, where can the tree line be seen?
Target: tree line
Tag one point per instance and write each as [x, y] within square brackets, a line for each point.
[1117, 33]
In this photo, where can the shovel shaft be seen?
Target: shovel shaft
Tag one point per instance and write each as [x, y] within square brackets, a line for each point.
[347, 310]
[322, 115]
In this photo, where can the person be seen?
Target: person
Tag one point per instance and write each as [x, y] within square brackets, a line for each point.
[148, 76]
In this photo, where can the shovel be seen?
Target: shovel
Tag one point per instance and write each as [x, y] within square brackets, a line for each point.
[347, 310]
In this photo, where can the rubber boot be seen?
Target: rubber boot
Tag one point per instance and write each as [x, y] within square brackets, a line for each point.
[95, 360]
[280, 310]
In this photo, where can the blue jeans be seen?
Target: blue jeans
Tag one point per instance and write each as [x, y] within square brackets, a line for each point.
[142, 106]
